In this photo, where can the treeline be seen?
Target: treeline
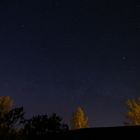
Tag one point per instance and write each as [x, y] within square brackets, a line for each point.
[14, 125]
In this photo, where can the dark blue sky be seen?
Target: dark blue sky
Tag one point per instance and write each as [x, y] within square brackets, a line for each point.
[57, 55]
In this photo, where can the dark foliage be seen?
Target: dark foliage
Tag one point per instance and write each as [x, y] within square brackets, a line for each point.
[42, 125]
[10, 123]
[13, 125]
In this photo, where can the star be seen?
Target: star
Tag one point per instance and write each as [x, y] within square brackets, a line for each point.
[124, 58]
[22, 26]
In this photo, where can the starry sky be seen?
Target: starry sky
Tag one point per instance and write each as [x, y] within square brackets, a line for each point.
[56, 55]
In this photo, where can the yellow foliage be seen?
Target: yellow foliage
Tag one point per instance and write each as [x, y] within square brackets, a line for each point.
[6, 104]
[134, 111]
[79, 120]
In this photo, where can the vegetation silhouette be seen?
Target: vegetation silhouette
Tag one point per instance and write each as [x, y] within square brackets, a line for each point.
[14, 125]
[42, 125]
[11, 122]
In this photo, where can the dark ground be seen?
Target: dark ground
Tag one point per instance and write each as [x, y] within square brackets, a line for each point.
[113, 133]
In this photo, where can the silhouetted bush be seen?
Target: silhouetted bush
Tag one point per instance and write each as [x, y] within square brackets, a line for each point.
[13, 125]
[42, 125]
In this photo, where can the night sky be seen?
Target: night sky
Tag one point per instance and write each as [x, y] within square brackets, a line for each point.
[56, 55]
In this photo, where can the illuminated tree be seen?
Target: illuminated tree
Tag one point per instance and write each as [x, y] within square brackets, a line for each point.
[10, 119]
[6, 104]
[133, 114]
[79, 120]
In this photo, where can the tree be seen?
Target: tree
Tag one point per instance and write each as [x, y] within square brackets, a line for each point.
[11, 123]
[79, 120]
[133, 114]
[55, 124]
[10, 118]
[42, 125]
[6, 104]
[14, 118]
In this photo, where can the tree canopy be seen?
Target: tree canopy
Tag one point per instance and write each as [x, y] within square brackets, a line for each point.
[6, 104]
[133, 114]
[79, 120]
[13, 123]
[42, 124]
